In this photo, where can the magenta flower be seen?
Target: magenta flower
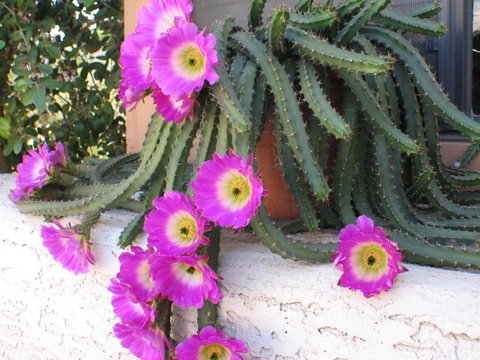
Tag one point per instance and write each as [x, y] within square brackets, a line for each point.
[370, 261]
[183, 59]
[155, 19]
[129, 95]
[135, 272]
[146, 343]
[135, 64]
[68, 247]
[175, 227]
[171, 109]
[210, 344]
[186, 280]
[59, 156]
[33, 172]
[127, 306]
[227, 191]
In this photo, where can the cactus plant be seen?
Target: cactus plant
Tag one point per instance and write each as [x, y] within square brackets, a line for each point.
[383, 133]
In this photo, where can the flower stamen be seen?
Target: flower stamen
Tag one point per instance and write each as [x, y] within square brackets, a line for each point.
[237, 190]
[187, 229]
[214, 352]
[191, 61]
[374, 258]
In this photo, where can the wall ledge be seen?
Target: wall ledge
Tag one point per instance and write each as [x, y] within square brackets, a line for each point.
[282, 309]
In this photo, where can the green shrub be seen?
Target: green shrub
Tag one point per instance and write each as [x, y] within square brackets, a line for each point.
[59, 77]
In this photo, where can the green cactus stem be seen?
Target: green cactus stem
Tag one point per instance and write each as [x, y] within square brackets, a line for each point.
[353, 27]
[131, 231]
[314, 22]
[349, 7]
[343, 174]
[290, 116]
[255, 14]
[468, 156]
[208, 313]
[426, 11]
[273, 238]
[318, 101]
[397, 21]
[119, 192]
[320, 50]
[424, 80]
[421, 252]
[377, 116]
[303, 6]
[224, 90]
[108, 166]
[294, 179]
[276, 31]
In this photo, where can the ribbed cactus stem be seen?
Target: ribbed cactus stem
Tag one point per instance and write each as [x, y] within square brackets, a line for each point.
[353, 27]
[88, 222]
[285, 246]
[319, 102]
[424, 80]
[224, 90]
[62, 179]
[208, 313]
[303, 5]
[289, 111]
[311, 46]
[426, 11]
[255, 13]
[402, 22]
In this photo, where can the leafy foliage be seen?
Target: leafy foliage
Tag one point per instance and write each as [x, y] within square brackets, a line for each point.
[59, 77]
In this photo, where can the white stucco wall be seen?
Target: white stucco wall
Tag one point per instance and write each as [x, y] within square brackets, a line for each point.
[280, 308]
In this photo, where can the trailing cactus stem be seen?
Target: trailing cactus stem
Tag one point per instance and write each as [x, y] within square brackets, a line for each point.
[118, 192]
[255, 13]
[424, 253]
[319, 103]
[424, 80]
[426, 11]
[311, 46]
[359, 20]
[289, 112]
[378, 118]
[224, 89]
[403, 22]
[208, 313]
[130, 233]
[277, 242]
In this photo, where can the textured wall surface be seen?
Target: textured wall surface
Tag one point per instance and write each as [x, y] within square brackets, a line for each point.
[280, 308]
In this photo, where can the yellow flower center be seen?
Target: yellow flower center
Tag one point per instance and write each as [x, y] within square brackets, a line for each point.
[370, 261]
[372, 258]
[235, 190]
[182, 228]
[215, 352]
[240, 189]
[190, 60]
[187, 229]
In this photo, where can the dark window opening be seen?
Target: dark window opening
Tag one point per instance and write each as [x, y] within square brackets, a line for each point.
[476, 58]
